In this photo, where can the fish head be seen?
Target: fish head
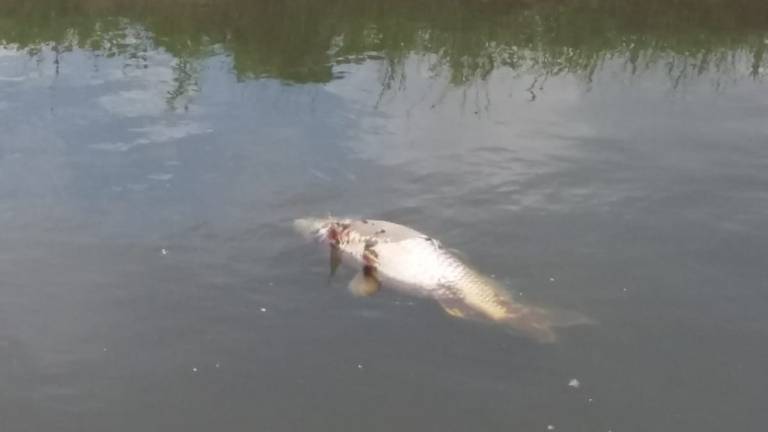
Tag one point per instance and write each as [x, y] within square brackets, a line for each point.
[323, 230]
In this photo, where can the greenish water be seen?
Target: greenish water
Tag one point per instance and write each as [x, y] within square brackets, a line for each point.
[607, 157]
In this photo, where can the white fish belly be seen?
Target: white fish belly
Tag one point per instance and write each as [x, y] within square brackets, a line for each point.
[414, 265]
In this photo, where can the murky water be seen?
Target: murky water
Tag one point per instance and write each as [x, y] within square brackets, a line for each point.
[598, 156]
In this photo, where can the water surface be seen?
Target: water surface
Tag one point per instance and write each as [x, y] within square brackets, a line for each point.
[599, 156]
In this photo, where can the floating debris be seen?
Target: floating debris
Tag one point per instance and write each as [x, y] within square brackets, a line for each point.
[359, 366]
[551, 279]
[218, 365]
[550, 427]
[194, 369]
[263, 309]
[574, 383]
[164, 251]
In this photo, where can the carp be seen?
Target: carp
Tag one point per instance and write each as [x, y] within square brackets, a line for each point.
[414, 263]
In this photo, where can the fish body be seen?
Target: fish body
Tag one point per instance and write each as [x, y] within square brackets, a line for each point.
[414, 263]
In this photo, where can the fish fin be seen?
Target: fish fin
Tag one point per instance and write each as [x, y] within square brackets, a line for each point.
[456, 307]
[532, 322]
[335, 260]
[540, 323]
[567, 318]
[520, 319]
[365, 283]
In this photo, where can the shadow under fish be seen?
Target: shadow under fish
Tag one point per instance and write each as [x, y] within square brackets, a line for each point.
[407, 260]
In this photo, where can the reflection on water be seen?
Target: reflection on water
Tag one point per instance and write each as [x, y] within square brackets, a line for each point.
[601, 156]
[305, 41]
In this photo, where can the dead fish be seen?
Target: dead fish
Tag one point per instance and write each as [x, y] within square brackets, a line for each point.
[400, 257]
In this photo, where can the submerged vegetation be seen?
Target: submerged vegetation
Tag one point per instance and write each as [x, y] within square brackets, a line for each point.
[303, 40]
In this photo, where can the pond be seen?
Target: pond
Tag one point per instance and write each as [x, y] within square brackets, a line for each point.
[601, 156]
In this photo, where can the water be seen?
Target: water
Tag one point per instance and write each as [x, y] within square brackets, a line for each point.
[603, 157]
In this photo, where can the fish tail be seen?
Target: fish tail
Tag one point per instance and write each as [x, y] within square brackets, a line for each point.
[530, 321]
[539, 323]
[478, 297]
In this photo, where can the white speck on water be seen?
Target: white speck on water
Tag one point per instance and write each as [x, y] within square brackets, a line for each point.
[113, 146]
[574, 383]
[194, 369]
[625, 290]
[137, 187]
[550, 427]
[359, 366]
[551, 279]
[160, 176]
[319, 174]
[493, 276]
[263, 309]
[164, 251]
[218, 365]
[105, 350]
[271, 284]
